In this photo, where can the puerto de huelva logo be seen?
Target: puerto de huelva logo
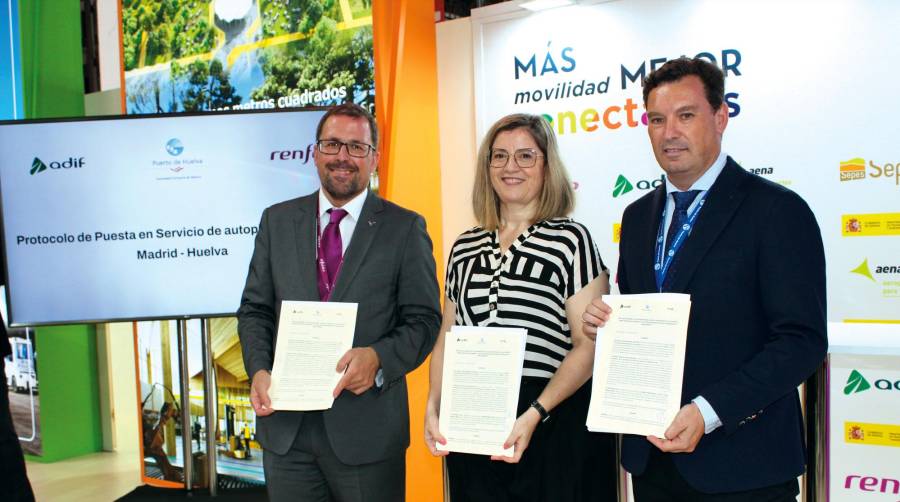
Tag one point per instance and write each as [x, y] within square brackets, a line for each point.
[38, 166]
[174, 147]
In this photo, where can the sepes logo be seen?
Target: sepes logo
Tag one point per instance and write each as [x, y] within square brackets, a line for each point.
[174, 147]
[623, 185]
[38, 166]
[855, 169]
[856, 383]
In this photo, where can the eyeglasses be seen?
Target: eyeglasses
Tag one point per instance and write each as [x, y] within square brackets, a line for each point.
[525, 157]
[333, 147]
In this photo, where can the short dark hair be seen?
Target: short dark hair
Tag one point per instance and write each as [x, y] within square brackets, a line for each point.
[712, 77]
[350, 110]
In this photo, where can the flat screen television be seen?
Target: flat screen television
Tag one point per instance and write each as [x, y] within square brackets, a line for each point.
[142, 217]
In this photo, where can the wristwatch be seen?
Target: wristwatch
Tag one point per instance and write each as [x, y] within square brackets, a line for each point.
[541, 411]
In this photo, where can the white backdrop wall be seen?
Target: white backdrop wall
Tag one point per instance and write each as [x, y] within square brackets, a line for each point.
[809, 86]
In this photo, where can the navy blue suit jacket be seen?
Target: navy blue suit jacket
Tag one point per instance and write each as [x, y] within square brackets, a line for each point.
[754, 266]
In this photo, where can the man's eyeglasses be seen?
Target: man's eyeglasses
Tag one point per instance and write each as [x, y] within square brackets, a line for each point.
[333, 147]
[525, 157]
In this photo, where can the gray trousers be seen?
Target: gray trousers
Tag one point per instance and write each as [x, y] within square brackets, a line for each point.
[311, 472]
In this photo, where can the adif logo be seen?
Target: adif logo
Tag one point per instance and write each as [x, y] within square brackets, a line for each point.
[856, 383]
[174, 147]
[623, 185]
[38, 166]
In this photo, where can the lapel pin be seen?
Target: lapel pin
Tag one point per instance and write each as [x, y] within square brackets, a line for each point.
[371, 222]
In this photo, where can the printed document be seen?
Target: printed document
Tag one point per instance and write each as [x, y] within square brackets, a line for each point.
[639, 364]
[312, 338]
[480, 388]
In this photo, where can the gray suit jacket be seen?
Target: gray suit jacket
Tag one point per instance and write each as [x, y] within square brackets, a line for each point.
[389, 271]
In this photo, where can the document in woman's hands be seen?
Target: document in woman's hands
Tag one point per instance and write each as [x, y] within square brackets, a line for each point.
[480, 388]
[639, 364]
[312, 337]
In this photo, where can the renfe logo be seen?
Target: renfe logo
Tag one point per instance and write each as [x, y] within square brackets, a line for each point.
[872, 484]
[293, 154]
[38, 166]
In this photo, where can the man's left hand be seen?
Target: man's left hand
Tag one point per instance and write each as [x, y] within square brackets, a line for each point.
[685, 432]
[359, 366]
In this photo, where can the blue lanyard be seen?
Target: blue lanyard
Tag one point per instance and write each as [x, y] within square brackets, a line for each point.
[664, 261]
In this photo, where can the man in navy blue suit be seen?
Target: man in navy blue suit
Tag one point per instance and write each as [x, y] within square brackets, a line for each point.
[750, 254]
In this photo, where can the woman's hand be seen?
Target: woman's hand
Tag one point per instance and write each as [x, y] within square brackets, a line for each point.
[433, 433]
[520, 435]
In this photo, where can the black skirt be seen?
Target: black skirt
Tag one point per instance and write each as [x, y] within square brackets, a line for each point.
[563, 462]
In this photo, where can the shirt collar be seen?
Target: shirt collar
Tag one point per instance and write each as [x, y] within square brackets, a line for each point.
[353, 207]
[706, 181]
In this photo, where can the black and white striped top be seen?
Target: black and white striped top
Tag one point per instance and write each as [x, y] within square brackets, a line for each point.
[526, 287]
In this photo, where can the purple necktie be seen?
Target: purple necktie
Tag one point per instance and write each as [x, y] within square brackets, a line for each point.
[331, 251]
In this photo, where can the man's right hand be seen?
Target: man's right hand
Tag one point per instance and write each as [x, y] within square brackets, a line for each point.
[259, 393]
[595, 316]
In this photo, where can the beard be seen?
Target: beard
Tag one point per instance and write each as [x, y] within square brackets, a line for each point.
[342, 190]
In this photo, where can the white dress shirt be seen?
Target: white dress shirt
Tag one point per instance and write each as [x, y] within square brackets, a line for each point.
[711, 419]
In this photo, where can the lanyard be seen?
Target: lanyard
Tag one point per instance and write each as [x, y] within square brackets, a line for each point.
[320, 261]
[663, 262]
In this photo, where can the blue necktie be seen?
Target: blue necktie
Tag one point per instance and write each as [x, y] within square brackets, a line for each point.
[683, 201]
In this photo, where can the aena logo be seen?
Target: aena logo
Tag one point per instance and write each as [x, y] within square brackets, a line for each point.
[857, 383]
[174, 147]
[623, 185]
[38, 165]
[864, 270]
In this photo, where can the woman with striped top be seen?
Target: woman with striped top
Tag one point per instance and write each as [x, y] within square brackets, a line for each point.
[527, 265]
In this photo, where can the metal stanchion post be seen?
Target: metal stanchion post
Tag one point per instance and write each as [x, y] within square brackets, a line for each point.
[816, 427]
[187, 455]
[210, 405]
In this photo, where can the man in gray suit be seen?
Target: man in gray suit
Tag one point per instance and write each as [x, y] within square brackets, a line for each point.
[345, 244]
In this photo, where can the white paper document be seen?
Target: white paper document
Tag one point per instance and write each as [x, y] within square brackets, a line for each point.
[312, 338]
[639, 364]
[480, 388]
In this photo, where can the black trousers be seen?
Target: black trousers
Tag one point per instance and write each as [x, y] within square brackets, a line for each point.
[14, 486]
[661, 482]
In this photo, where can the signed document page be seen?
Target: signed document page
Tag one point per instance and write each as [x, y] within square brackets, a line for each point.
[312, 337]
[480, 388]
[639, 364]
